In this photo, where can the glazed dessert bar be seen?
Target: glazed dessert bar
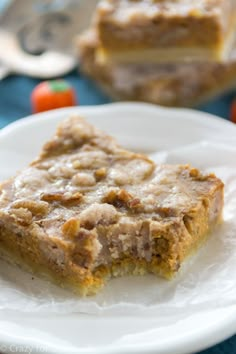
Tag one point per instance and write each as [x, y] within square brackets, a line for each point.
[165, 30]
[184, 85]
[87, 210]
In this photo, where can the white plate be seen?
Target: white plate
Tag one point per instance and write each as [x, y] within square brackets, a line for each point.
[141, 127]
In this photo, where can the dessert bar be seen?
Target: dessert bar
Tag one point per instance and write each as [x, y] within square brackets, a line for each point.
[134, 31]
[86, 210]
[183, 85]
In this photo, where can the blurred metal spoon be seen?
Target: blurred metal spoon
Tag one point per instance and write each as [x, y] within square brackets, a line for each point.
[36, 37]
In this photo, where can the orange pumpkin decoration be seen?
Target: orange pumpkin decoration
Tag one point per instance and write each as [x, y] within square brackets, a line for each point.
[51, 95]
[233, 112]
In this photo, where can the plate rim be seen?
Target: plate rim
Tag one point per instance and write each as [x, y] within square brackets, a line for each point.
[194, 115]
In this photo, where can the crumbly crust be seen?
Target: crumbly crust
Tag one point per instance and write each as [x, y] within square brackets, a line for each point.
[126, 25]
[87, 210]
[185, 84]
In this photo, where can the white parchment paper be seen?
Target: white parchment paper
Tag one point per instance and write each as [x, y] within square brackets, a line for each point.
[206, 281]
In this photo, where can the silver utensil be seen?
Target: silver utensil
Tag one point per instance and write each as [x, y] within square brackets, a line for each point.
[36, 37]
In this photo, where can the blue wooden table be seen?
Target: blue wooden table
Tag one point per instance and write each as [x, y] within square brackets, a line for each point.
[15, 96]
